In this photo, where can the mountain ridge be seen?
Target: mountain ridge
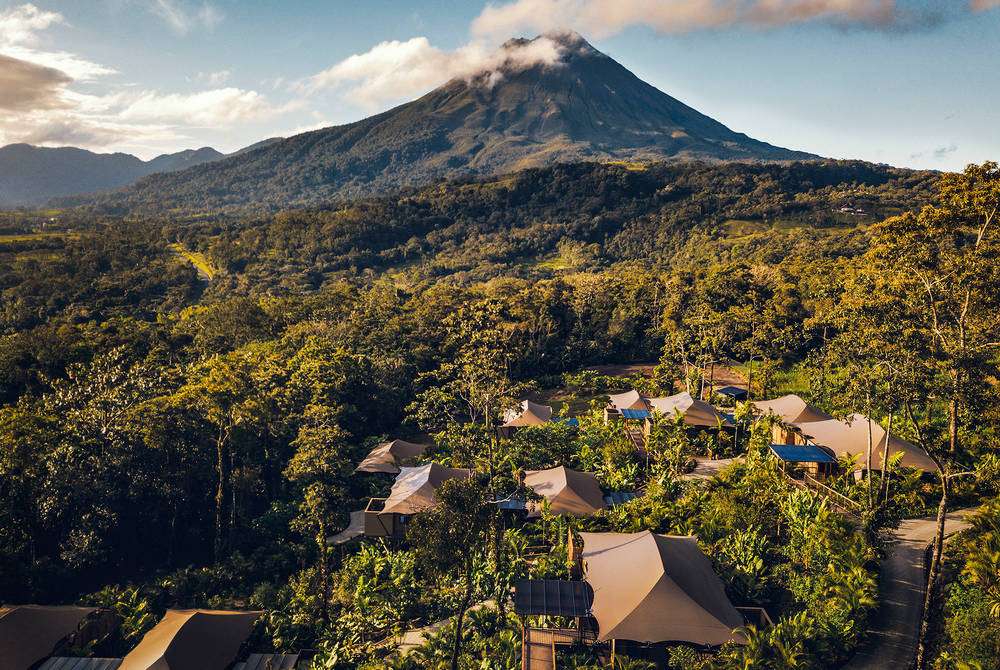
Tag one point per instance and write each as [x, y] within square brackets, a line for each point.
[585, 107]
[32, 175]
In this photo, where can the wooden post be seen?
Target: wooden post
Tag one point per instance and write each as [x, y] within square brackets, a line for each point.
[612, 653]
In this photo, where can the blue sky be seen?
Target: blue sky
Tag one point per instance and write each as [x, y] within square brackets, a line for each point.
[907, 82]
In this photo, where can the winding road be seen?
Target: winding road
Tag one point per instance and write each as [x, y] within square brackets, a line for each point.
[892, 638]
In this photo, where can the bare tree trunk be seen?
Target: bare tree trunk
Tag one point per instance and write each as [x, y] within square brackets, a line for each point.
[456, 648]
[221, 489]
[934, 574]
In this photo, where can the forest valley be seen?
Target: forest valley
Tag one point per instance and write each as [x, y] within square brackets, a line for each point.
[182, 436]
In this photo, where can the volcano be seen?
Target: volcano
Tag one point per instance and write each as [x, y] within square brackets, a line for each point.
[580, 106]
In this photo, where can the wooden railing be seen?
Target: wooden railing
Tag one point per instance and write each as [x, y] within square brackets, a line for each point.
[837, 500]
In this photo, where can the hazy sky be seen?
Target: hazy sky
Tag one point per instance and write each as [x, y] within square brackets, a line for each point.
[907, 82]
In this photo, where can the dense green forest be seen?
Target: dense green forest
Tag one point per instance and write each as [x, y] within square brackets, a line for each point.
[167, 440]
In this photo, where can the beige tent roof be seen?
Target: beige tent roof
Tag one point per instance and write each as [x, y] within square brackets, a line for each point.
[568, 491]
[388, 456]
[628, 400]
[851, 437]
[656, 588]
[30, 633]
[530, 414]
[414, 488]
[192, 640]
[695, 412]
[791, 409]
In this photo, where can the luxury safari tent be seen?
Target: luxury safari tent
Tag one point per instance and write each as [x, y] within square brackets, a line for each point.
[192, 640]
[696, 413]
[567, 491]
[850, 438]
[529, 414]
[32, 633]
[656, 588]
[413, 492]
[388, 457]
[790, 410]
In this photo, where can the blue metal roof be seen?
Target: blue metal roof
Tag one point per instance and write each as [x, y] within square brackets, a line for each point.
[570, 421]
[733, 392]
[635, 413]
[794, 453]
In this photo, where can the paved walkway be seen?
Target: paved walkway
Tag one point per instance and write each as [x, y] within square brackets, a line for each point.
[892, 638]
[417, 637]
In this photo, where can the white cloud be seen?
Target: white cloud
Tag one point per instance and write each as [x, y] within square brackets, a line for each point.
[213, 78]
[41, 105]
[212, 108]
[21, 25]
[603, 18]
[393, 71]
[182, 18]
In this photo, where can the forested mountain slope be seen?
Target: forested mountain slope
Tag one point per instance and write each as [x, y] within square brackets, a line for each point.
[32, 175]
[585, 106]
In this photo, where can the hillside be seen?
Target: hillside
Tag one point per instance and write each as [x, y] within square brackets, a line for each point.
[586, 106]
[31, 175]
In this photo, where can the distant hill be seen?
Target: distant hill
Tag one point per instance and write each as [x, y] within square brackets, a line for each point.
[32, 175]
[584, 107]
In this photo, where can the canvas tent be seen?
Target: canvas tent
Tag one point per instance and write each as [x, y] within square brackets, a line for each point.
[530, 414]
[656, 588]
[389, 456]
[695, 412]
[31, 633]
[192, 640]
[850, 437]
[791, 409]
[568, 491]
[628, 400]
[414, 488]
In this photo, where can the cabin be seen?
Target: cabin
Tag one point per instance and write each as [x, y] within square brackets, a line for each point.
[818, 462]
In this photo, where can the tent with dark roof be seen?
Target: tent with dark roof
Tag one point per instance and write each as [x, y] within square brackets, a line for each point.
[567, 491]
[31, 633]
[192, 640]
[656, 588]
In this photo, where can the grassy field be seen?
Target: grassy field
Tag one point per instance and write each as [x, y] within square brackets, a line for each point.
[199, 260]
[29, 237]
[791, 380]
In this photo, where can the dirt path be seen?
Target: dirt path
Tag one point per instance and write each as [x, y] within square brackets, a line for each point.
[892, 637]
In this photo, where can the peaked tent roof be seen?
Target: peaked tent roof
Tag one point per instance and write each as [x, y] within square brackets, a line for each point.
[192, 640]
[628, 400]
[791, 409]
[851, 437]
[414, 488]
[30, 633]
[568, 491]
[656, 588]
[388, 456]
[695, 412]
[531, 414]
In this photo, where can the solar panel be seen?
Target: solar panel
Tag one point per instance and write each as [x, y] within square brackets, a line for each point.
[794, 453]
[554, 597]
[636, 413]
[614, 498]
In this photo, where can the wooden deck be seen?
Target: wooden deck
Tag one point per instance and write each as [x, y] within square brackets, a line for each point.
[538, 646]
